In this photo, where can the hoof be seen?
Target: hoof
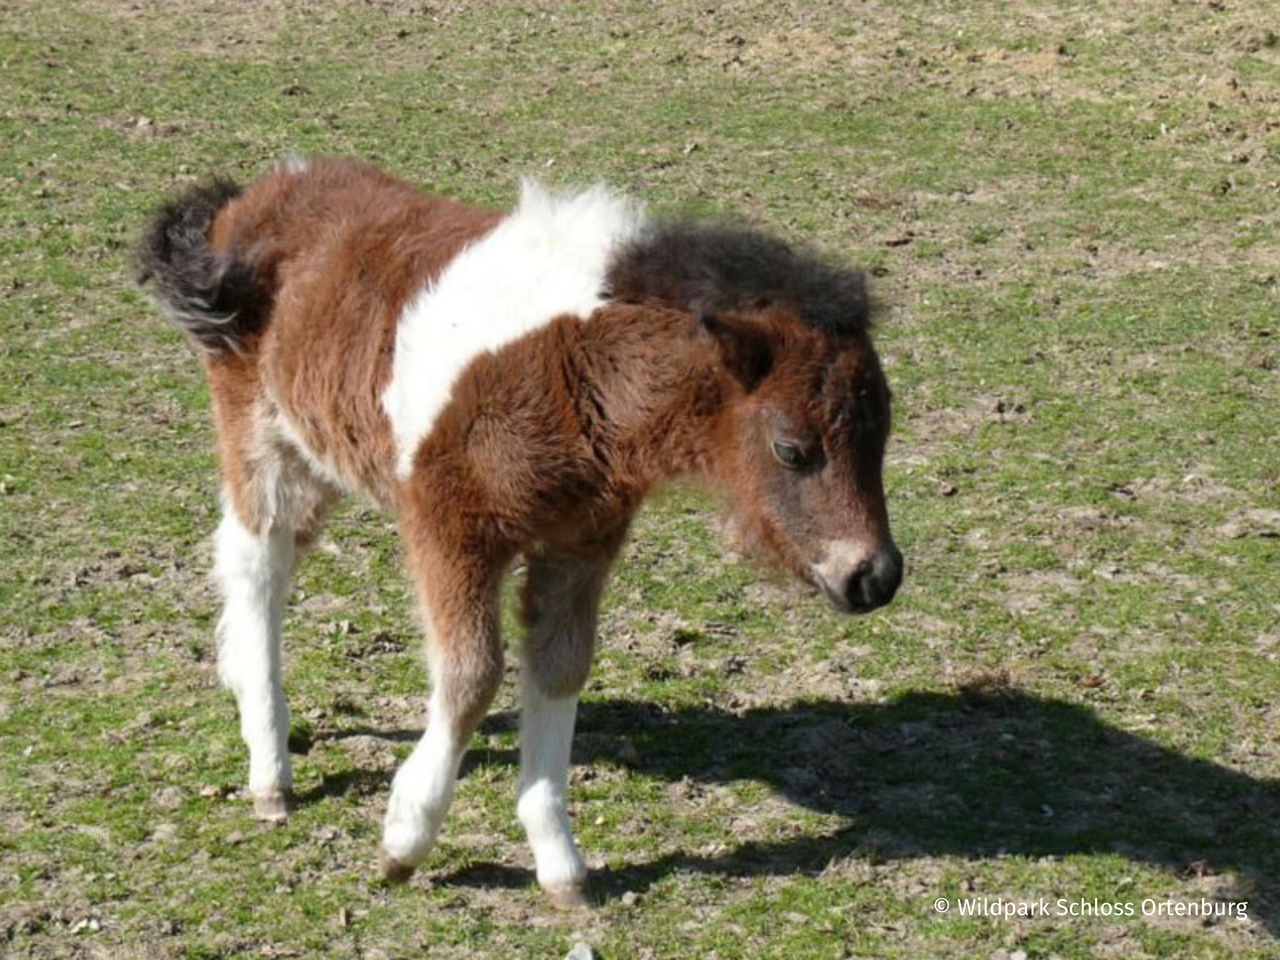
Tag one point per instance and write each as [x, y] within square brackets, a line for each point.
[393, 870]
[566, 896]
[271, 807]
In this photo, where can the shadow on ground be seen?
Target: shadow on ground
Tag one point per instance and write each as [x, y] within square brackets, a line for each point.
[972, 774]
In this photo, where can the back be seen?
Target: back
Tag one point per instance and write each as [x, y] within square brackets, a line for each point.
[339, 247]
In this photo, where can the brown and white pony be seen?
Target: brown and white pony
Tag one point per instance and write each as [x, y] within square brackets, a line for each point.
[507, 384]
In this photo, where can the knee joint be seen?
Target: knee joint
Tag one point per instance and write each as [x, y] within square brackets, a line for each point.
[468, 688]
[559, 668]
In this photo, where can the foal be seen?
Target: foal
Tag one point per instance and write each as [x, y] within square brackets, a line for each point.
[507, 384]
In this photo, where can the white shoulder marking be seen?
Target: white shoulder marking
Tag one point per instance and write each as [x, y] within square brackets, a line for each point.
[546, 258]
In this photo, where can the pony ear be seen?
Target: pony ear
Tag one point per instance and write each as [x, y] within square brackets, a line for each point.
[742, 346]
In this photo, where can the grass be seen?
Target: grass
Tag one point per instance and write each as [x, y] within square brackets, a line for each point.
[1070, 216]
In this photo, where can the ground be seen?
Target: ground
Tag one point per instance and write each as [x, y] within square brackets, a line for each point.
[1069, 213]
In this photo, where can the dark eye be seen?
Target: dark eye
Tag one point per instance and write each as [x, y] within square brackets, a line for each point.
[791, 455]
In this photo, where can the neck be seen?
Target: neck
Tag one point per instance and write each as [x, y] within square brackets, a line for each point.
[661, 397]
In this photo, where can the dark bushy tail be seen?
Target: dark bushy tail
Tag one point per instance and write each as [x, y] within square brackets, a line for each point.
[211, 295]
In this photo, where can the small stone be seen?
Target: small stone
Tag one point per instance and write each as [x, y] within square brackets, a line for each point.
[629, 898]
[165, 832]
[581, 951]
[234, 837]
[168, 798]
[1018, 955]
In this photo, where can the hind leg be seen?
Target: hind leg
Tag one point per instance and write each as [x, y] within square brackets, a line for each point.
[561, 602]
[273, 509]
[253, 570]
[459, 595]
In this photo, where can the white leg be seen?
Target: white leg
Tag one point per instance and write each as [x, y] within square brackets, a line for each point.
[561, 599]
[545, 742]
[464, 653]
[421, 793]
[253, 571]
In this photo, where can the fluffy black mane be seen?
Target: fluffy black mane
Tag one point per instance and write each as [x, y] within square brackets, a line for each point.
[707, 267]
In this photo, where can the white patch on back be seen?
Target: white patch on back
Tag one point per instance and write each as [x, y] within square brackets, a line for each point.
[547, 258]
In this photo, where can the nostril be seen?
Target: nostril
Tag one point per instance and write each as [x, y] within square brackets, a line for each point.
[874, 582]
[856, 586]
